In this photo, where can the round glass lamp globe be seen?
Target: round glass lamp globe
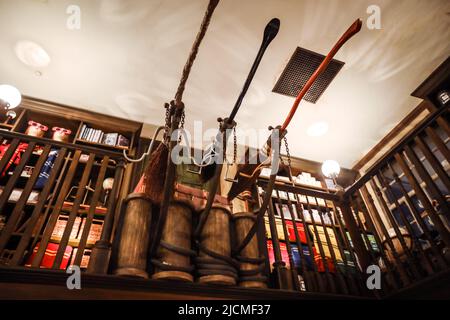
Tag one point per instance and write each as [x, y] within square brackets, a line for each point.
[11, 95]
[330, 168]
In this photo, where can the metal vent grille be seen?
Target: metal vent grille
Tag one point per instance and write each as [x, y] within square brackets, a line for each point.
[299, 69]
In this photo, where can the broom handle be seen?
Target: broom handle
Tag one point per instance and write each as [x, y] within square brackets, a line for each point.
[270, 32]
[351, 31]
[194, 50]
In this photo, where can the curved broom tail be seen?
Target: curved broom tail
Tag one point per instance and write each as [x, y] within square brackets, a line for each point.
[154, 174]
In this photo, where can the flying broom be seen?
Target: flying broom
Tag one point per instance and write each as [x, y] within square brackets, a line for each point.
[248, 172]
[152, 182]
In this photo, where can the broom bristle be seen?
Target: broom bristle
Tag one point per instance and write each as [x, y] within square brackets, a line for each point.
[154, 174]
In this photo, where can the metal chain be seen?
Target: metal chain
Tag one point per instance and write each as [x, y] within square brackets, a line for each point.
[167, 120]
[288, 154]
[181, 126]
[234, 145]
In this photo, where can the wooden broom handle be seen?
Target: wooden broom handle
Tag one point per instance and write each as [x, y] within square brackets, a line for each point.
[354, 29]
[187, 67]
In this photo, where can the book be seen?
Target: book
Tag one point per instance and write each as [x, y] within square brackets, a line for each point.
[83, 128]
[94, 232]
[84, 259]
[49, 257]
[283, 251]
[60, 227]
[110, 139]
[122, 141]
[278, 226]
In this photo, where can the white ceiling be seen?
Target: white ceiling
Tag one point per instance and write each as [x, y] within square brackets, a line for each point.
[127, 58]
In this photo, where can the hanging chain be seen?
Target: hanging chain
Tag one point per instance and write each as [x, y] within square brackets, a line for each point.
[181, 126]
[288, 154]
[167, 122]
[234, 145]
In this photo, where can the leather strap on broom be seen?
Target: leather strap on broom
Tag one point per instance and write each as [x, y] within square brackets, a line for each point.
[161, 167]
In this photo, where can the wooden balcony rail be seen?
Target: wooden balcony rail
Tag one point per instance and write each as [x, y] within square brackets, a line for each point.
[404, 199]
[33, 205]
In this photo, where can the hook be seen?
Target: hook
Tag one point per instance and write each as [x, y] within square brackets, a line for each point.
[149, 150]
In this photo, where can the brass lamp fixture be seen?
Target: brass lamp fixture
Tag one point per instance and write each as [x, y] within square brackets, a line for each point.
[10, 98]
[331, 169]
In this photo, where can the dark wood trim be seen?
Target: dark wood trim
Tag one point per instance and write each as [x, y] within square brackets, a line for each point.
[73, 113]
[51, 284]
[395, 132]
[433, 81]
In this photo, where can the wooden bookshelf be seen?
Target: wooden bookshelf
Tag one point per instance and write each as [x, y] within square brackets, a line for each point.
[70, 172]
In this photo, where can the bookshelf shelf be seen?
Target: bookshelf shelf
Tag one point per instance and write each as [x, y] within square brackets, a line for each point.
[84, 208]
[54, 121]
[72, 242]
[101, 144]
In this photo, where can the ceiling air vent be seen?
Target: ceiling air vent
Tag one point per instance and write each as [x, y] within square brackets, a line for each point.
[299, 69]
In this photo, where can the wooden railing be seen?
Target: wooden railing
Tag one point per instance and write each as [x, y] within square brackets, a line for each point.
[395, 216]
[404, 198]
[47, 189]
[319, 254]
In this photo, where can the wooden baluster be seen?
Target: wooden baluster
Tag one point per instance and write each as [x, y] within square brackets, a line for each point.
[288, 245]
[8, 154]
[400, 267]
[56, 210]
[49, 204]
[365, 228]
[438, 142]
[17, 173]
[443, 123]
[101, 253]
[424, 200]
[91, 212]
[367, 198]
[310, 243]
[74, 211]
[341, 280]
[358, 244]
[14, 217]
[412, 262]
[386, 186]
[430, 185]
[279, 265]
[371, 227]
[310, 281]
[329, 276]
[437, 167]
[25, 239]
[354, 283]
[412, 208]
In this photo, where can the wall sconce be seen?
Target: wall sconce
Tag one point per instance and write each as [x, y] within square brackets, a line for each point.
[331, 169]
[10, 97]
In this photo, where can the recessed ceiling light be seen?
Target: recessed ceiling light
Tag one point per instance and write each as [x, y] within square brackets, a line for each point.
[31, 54]
[317, 129]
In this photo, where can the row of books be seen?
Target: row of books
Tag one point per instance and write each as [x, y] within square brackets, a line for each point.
[309, 215]
[98, 136]
[77, 229]
[48, 259]
[297, 257]
[348, 266]
[311, 233]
